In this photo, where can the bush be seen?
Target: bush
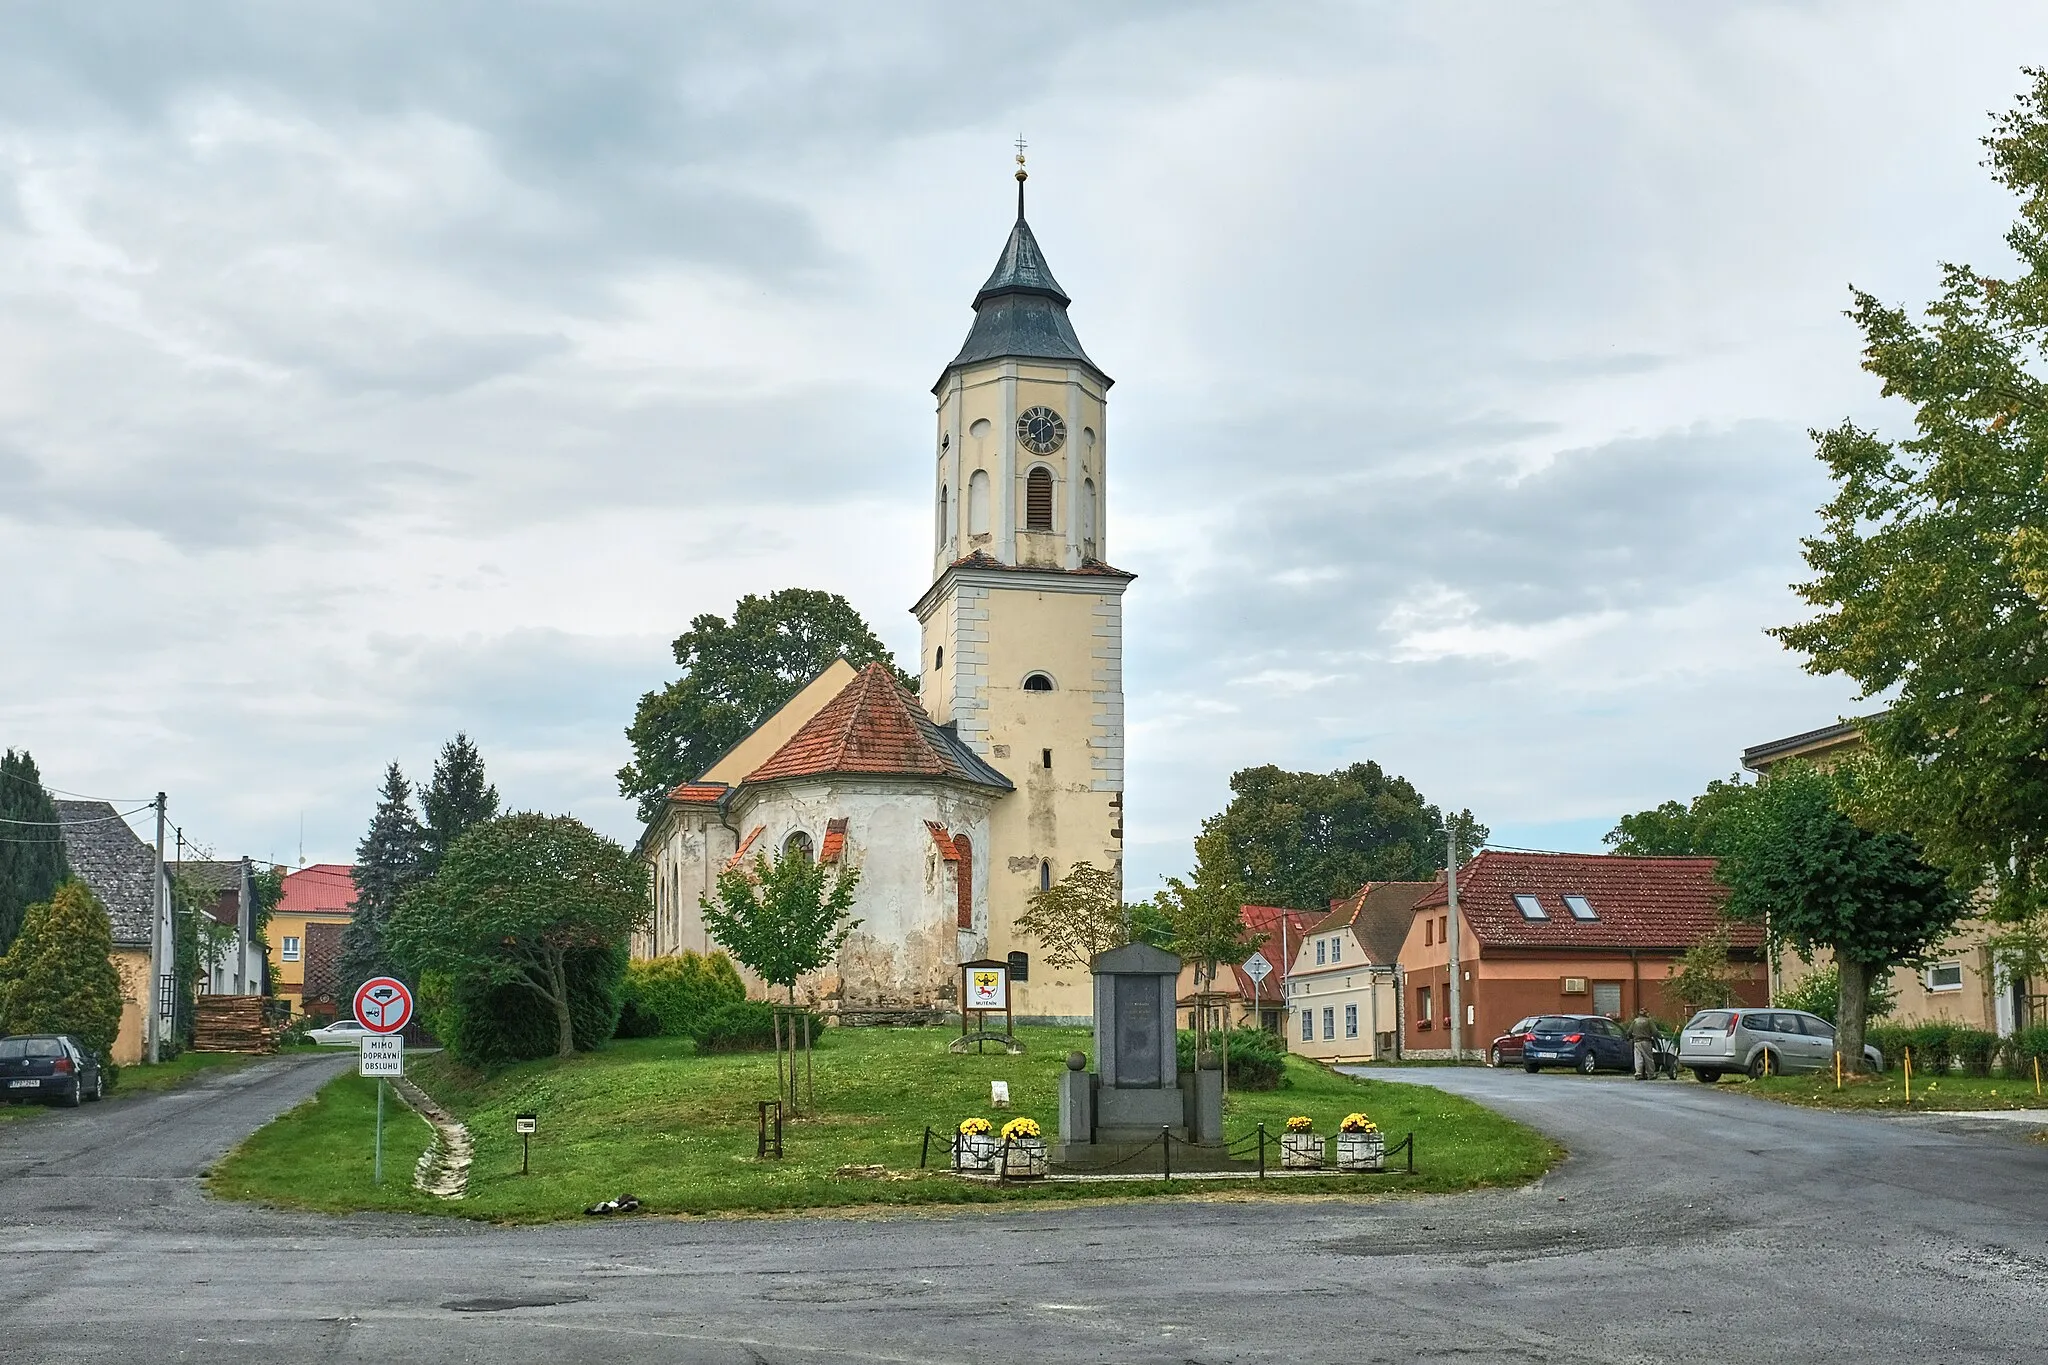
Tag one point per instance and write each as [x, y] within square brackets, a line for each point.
[2026, 1047]
[1257, 1057]
[59, 976]
[1891, 1040]
[1820, 990]
[674, 996]
[745, 1026]
[1976, 1049]
[499, 1024]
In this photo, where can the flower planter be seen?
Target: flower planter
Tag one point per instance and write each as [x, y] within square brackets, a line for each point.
[1026, 1158]
[1301, 1151]
[974, 1152]
[1361, 1151]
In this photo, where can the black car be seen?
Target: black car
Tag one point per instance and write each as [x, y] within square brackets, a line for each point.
[1587, 1043]
[49, 1066]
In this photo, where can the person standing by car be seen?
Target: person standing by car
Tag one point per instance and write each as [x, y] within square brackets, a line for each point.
[1642, 1031]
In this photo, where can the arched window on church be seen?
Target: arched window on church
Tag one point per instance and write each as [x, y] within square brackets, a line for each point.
[977, 503]
[1088, 550]
[944, 520]
[1044, 875]
[799, 845]
[1038, 500]
[1038, 682]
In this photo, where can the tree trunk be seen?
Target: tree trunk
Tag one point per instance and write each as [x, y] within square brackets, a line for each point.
[558, 986]
[1849, 1007]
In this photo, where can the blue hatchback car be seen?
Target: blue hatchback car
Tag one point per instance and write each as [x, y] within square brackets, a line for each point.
[1584, 1042]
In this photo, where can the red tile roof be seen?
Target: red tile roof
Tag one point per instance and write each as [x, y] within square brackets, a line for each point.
[873, 726]
[835, 841]
[699, 793]
[1378, 916]
[320, 887]
[745, 844]
[1265, 921]
[947, 848]
[1641, 902]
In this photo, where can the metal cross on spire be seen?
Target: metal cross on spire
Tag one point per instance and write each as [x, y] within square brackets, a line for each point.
[1022, 176]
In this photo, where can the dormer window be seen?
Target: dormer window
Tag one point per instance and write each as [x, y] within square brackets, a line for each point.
[1580, 907]
[1530, 907]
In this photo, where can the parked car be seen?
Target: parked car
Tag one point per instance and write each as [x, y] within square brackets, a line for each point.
[1716, 1042]
[1585, 1042]
[1506, 1050]
[49, 1066]
[340, 1033]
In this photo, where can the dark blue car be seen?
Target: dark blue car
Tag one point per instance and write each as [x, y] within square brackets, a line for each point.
[1585, 1042]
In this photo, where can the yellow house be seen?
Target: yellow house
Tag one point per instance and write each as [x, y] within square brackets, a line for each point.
[106, 855]
[1960, 984]
[305, 936]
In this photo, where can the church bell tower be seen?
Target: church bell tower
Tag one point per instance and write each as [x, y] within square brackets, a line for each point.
[1023, 625]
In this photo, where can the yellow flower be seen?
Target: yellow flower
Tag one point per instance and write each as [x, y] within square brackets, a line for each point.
[1020, 1128]
[974, 1127]
[1357, 1123]
[1301, 1123]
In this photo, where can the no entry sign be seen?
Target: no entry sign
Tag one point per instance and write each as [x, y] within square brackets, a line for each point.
[383, 1004]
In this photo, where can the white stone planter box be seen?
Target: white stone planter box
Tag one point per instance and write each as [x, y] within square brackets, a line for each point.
[1026, 1159]
[1361, 1151]
[975, 1153]
[1301, 1151]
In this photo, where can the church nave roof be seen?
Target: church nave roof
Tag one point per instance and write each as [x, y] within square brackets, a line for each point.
[875, 726]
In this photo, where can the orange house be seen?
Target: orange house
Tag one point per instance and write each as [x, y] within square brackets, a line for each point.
[1562, 933]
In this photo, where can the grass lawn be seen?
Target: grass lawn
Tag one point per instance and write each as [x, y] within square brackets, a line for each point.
[651, 1118]
[322, 1154]
[1888, 1091]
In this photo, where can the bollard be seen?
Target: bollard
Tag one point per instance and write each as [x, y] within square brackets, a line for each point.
[925, 1152]
[1909, 1075]
[1262, 1128]
[2037, 1078]
[1838, 1068]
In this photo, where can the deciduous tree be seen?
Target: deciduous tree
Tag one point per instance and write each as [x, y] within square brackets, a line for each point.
[1931, 570]
[513, 900]
[1680, 829]
[735, 674]
[1078, 916]
[1205, 917]
[1792, 859]
[783, 918]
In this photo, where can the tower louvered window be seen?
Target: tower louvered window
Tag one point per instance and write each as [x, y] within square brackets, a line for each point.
[1038, 500]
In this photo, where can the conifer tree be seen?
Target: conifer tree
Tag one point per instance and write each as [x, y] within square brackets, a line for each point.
[59, 976]
[457, 798]
[389, 862]
[31, 846]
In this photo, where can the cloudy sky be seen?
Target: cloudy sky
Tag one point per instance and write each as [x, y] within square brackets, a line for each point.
[410, 368]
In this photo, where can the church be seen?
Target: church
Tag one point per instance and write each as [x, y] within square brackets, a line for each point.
[1006, 769]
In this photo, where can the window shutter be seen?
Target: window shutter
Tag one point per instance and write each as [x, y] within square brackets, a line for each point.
[1038, 500]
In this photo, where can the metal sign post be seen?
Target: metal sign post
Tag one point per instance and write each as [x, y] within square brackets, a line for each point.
[383, 1006]
[524, 1125]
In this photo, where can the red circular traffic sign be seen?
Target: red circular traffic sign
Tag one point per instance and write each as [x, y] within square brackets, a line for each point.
[383, 1004]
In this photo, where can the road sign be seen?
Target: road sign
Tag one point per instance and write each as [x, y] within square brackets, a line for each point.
[383, 1004]
[383, 1055]
[1257, 968]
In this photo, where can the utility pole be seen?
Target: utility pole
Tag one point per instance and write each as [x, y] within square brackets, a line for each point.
[1451, 934]
[152, 1019]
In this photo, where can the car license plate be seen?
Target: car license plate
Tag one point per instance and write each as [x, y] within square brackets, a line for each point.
[1539, 1052]
[1702, 1041]
[18, 1085]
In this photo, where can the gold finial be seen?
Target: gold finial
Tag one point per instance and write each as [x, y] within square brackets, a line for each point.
[1020, 158]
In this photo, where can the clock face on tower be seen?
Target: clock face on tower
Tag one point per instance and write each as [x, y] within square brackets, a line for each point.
[1040, 430]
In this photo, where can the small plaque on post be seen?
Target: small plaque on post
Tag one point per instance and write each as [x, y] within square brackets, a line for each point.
[383, 1055]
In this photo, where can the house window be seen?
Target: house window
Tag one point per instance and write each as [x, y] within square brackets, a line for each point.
[1443, 928]
[1337, 949]
[291, 948]
[1580, 907]
[1038, 500]
[1607, 998]
[1320, 950]
[1530, 907]
[1038, 682]
[1945, 976]
[1329, 1023]
[1351, 1021]
[1428, 932]
[1422, 1014]
[1308, 1026]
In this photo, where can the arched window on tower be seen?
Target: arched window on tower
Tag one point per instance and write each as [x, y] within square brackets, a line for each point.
[1088, 513]
[977, 503]
[944, 520]
[1038, 682]
[799, 845]
[1044, 875]
[1038, 500]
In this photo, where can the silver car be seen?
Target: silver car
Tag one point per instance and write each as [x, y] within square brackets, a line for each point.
[1755, 1042]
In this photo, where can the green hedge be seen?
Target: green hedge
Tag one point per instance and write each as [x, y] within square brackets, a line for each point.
[674, 996]
[749, 1026]
[498, 1024]
[1256, 1056]
[1940, 1048]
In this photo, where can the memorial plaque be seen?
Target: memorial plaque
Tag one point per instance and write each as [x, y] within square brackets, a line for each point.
[1137, 1031]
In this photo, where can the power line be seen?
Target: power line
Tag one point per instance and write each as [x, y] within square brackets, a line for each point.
[76, 796]
[95, 820]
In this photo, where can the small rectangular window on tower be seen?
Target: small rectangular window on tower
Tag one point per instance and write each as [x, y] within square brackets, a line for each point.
[1045, 758]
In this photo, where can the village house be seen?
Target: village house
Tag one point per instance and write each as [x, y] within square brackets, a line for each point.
[1959, 983]
[120, 870]
[1237, 996]
[305, 937]
[1344, 987]
[1562, 933]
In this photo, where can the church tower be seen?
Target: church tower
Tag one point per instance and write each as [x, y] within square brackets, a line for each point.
[1023, 625]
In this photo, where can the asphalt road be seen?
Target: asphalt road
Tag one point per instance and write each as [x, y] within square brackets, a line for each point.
[1690, 1224]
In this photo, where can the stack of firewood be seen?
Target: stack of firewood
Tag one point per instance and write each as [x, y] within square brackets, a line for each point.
[232, 1023]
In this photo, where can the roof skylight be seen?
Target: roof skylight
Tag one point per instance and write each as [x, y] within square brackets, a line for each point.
[1580, 907]
[1530, 907]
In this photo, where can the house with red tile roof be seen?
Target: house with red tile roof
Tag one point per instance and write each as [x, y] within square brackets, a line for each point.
[1237, 997]
[1343, 987]
[1561, 933]
[305, 936]
[1004, 772]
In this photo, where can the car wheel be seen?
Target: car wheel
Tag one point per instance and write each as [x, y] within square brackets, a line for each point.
[1531, 1068]
[99, 1086]
[1705, 1075]
[1763, 1063]
[1494, 1059]
[77, 1095]
[1588, 1063]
